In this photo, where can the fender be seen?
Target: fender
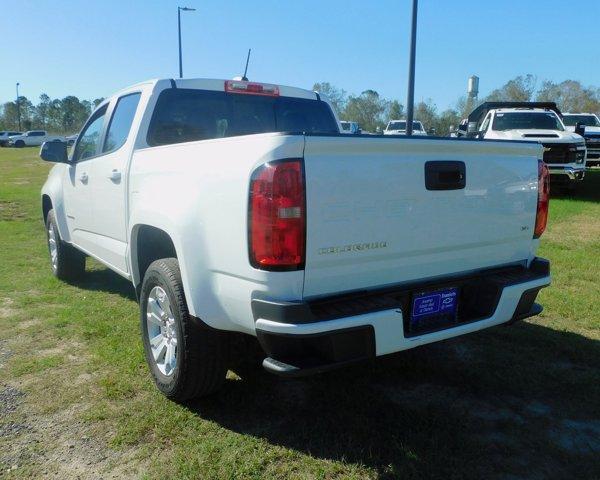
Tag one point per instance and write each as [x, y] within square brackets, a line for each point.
[175, 213]
[53, 189]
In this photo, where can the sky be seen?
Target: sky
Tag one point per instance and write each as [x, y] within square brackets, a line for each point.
[93, 48]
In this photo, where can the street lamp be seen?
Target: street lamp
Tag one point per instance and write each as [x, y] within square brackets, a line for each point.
[179, 9]
[411, 72]
[18, 107]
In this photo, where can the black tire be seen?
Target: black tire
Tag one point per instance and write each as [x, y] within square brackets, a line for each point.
[201, 351]
[19, 144]
[70, 262]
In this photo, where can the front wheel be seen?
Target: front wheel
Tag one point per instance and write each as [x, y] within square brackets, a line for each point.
[19, 144]
[187, 359]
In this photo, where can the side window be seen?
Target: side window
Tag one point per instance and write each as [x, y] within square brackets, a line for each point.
[89, 139]
[121, 121]
[486, 123]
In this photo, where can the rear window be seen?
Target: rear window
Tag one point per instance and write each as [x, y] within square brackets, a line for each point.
[185, 115]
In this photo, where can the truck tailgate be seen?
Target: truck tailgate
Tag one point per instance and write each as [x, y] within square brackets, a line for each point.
[372, 222]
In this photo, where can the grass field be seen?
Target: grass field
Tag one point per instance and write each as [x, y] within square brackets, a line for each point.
[76, 399]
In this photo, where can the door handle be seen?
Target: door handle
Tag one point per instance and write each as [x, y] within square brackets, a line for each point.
[83, 177]
[115, 175]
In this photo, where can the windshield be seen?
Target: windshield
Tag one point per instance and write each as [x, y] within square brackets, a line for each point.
[401, 125]
[526, 121]
[187, 115]
[345, 125]
[587, 120]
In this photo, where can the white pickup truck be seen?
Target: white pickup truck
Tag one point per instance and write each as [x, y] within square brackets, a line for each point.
[591, 133]
[398, 127]
[5, 135]
[564, 151]
[235, 206]
[33, 138]
[350, 128]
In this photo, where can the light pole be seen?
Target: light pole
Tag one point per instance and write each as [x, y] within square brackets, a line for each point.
[179, 9]
[411, 72]
[18, 107]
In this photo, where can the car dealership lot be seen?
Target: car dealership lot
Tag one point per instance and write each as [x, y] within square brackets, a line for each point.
[75, 397]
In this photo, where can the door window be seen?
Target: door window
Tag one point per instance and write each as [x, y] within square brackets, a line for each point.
[89, 139]
[121, 121]
[486, 122]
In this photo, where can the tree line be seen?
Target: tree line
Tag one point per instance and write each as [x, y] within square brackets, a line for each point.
[369, 109]
[61, 116]
[373, 112]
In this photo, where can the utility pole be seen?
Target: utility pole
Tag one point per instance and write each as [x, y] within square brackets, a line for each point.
[18, 107]
[410, 100]
[179, 9]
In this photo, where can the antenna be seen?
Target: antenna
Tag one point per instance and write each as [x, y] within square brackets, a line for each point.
[245, 78]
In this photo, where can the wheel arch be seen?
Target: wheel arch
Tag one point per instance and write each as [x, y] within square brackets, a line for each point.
[52, 199]
[147, 244]
[46, 206]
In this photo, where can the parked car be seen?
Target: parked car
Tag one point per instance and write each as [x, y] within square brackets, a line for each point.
[350, 128]
[71, 139]
[328, 248]
[591, 133]
[4, 137]
[564, 151]
[398, 127]
[33, 138]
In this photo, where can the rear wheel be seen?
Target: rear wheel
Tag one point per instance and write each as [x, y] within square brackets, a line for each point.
[66, 261]
[187, 359]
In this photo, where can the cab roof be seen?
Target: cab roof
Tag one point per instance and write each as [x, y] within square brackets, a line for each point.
[482, 110]
[217, 85]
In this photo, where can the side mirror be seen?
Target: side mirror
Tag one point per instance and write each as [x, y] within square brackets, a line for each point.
[55, 151]
[472, 128]
[580, 129]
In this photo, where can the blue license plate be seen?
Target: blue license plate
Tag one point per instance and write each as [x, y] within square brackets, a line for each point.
[433, 309]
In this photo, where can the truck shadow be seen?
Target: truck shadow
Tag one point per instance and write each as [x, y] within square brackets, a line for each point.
[459, 409]
[587, 190]
[105, 280]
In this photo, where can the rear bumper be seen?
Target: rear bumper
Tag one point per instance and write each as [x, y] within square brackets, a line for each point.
[567, 172]
[303, 338]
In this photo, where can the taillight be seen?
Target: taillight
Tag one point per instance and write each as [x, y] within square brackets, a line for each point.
[541, 218]
[277, 216]
[252, 88]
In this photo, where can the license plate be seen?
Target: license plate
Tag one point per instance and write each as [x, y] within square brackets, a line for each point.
[434, 309]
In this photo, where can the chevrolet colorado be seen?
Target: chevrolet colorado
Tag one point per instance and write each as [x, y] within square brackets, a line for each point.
[237, 206]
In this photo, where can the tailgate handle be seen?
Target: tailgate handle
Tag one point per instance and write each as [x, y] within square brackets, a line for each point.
[445, 175]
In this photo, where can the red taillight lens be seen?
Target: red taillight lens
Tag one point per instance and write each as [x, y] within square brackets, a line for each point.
[541, 218]
[252, 88]
[277, 217]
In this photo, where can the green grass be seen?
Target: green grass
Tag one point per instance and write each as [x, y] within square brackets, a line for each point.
[518, 402]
